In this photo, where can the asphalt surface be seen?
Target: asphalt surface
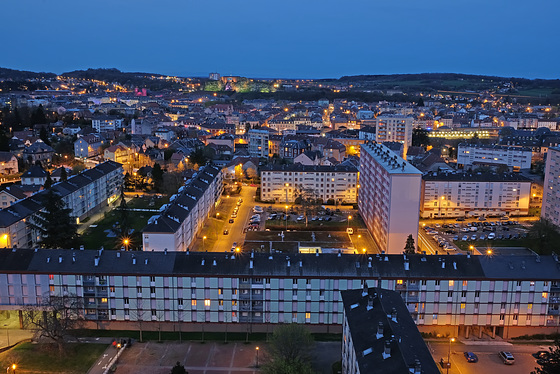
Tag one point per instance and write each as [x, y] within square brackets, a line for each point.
[488, 360]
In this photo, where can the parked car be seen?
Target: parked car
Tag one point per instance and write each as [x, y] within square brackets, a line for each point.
[473, 237]
[491, 236]
[506, 357]
[471, 357]
[231, 220]
[465, 238]
[226, 232]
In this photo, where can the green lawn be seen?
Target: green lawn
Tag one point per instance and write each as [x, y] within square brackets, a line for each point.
[464, 245]
[95, 237]
[38, 358]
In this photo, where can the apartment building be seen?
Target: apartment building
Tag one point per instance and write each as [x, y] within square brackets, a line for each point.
[472, 155]
[282, 125]
[460, 296]
[379, 335]
[284, 183]
[258, 143]
[84, 194]
[551, 190]
[394, 128]
[179, 222]
[450, 195]
[389, 198]
[106, 123]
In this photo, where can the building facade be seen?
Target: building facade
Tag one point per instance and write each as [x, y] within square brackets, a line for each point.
[551, 190]
[462, 296]
[450, 195]
[258, 143]
[180, 221]
[394, 128]
[389, 198]
[106, 123]
[83, 194]
[515, 158]
[284, 183]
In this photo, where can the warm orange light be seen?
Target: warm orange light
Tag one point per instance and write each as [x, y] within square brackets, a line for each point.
[237, 249]
[204, 237]
[126, 241]
[349, 217]
[489, 252]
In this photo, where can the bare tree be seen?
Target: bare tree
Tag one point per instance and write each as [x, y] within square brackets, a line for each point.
[138, 314]
[55, 318]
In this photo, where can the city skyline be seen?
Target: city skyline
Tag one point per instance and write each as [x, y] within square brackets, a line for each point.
[289, 40]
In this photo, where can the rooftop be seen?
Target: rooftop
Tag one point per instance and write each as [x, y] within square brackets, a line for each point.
[388, 159]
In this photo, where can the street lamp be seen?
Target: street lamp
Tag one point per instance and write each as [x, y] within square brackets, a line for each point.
[349, 218]
[287, 184]
[257, 357]
[218, 215]
[489, 252]
[204, 243]
[286, 217]
[471, 248]
[449, 354]
[126, 242]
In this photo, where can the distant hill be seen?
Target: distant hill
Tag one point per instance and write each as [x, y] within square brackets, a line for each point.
[21, 75]
[134, 79]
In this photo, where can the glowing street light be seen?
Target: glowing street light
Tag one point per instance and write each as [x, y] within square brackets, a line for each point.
[204, 243]
[489, 252]
[257, 349]
[349, 218]
[449, 354]
[286, 217]
[126, 242]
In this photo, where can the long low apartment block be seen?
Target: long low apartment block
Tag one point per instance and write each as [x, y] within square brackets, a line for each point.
[506, 295]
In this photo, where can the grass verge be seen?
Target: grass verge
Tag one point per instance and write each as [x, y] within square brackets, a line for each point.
[45, 359]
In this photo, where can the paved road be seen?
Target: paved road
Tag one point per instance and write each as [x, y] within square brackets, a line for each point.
[236, 234]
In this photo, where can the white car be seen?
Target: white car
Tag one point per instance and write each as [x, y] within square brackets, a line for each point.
[491, 236]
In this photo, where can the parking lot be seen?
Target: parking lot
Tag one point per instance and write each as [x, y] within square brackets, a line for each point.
[489, 361]
[461, 235]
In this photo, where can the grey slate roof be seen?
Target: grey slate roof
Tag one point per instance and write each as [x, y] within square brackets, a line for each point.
[399, 333]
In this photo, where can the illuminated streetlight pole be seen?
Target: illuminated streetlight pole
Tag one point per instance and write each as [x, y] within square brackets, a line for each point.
[449, 354]
[204, 243]
[257, 357]
[286, 217]
[349, 218]
[126, 242]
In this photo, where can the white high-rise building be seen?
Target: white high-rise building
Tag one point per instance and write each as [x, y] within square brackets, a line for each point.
[551, 190]
[515, 158]
[258, 143]
[389, 197]
[394, 128]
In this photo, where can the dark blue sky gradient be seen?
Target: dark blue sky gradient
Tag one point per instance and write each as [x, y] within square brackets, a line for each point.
[292, 39]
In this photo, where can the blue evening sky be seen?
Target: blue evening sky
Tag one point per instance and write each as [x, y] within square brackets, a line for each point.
[292, 39]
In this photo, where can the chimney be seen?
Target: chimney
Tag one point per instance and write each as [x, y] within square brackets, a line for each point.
[214, 263]
[369, 303]
[394, 315]
[250, 264]
[288, 259]
[300, 263]
[60, 259]
[48, 260]
[96, 261]
[443, 264]
[417, 367]
[118, 254]
[73, 258]
[387, 349]
[379, 334]
[406, 264]
[369, 262]
[165, 251]
[365, 290]
[339, 253]
[133, 260]
[317, 252]
[202, 263]
[146, 262]
[252, 254]
[454, 265]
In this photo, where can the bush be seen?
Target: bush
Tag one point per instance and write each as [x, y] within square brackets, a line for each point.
[552, 336]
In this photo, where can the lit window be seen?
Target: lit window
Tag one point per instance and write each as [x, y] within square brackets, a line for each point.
[399, 281]
[103, 299]
[545, 295]
[193, 302]
[530, 306]
[307, 315]
[451, 283]
[463, 305]
[207, 302]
